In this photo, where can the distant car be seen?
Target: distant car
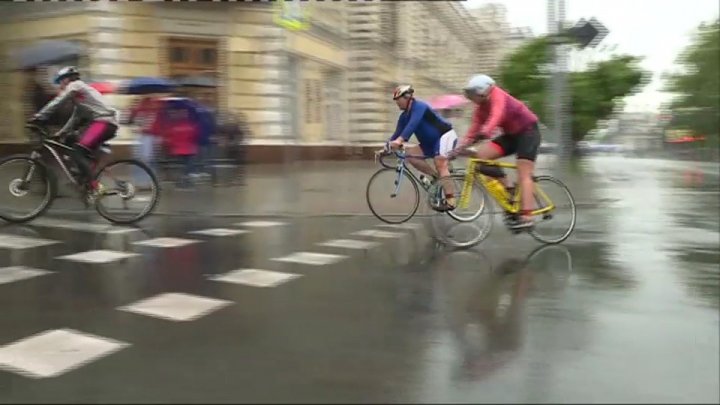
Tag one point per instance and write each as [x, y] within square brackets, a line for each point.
[547, 147]
[583, 148]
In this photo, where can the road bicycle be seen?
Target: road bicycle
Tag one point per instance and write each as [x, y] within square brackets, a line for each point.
[30, 176]
[393, 192]
[548, 210]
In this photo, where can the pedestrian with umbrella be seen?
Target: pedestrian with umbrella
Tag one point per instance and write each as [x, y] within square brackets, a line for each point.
[144, 113]
[180, 133]
[206, 119]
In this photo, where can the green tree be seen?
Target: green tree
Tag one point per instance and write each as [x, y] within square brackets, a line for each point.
[697, 85]
[595, 92]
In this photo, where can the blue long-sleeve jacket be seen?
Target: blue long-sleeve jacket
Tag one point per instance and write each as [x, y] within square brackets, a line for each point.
[421, 120]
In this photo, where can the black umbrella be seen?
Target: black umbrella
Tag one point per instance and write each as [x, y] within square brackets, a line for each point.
[197, 81]
[48, 52]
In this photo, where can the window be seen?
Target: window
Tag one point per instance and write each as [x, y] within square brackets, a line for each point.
[194, 57]
[308, 102]
[318, 101]
[177, 54]
[208, 56]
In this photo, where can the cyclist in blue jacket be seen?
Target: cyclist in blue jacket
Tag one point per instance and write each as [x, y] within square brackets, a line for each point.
[435, 135]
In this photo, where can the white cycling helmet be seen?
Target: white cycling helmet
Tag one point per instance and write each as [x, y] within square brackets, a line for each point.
[402, 90]
[67, 71]
[480, 85]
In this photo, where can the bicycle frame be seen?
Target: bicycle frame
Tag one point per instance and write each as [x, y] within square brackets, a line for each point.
[402, 168]
[56, 149]
[51, 145]
[511, 206]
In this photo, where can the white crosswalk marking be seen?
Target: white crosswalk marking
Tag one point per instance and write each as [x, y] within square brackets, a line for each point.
[18, 273]
[379, 234]
[408, 225]
[55, 352]
[315, 259]
[220, 232]
[260, 224]
[22, 242]
[176, 306]
[98, 256]
[82, 226]
[255, 278]
[350, 244]
[166, 242]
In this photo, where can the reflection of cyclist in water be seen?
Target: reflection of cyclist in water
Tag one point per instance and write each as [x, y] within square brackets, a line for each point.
[486, 316]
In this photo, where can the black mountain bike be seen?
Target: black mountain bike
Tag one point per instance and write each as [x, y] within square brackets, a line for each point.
[114, 190]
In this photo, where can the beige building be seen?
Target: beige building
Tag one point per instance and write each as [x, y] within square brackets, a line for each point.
[432, 45]
[517, 37]
[291, 85]
[286, 83]
[492, 18]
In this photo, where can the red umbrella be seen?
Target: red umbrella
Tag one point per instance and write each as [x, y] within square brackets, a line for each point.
[104, 87]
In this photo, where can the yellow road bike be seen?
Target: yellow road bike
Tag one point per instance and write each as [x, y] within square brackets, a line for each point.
[550, 212]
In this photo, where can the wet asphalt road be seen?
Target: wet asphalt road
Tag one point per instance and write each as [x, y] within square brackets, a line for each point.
[626, 310]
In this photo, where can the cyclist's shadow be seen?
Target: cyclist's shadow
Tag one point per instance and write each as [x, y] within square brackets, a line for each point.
[484, 314]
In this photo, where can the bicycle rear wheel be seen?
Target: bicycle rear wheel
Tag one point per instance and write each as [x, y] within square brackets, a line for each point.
[557, 224]
[128, 191]
[29, 188]
[391, 197]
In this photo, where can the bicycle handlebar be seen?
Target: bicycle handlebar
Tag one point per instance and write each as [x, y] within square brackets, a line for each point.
[39, 130]
[401, 154]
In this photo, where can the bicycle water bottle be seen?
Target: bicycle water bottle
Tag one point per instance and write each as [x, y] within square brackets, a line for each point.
[497, 188]
[425, 181]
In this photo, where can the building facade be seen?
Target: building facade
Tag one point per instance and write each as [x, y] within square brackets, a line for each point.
[492, 18]
[389, 45]
[330, 83]
[264, 71]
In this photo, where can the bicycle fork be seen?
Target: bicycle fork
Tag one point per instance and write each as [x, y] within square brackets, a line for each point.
[401, 171]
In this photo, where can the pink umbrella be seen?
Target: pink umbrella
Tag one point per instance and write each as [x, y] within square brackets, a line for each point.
[448, 101]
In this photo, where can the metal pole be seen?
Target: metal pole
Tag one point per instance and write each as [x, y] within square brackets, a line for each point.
[563, 136]
[290, 121]
[565, 130]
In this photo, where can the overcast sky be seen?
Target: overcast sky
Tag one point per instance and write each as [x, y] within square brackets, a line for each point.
[656, 29]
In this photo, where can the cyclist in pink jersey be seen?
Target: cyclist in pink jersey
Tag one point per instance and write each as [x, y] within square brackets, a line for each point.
[521, 135]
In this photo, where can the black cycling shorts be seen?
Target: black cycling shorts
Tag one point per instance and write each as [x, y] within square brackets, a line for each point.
[525, 145]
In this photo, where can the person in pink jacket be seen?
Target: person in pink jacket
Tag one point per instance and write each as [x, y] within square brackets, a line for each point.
[496, 109]
[180, 134]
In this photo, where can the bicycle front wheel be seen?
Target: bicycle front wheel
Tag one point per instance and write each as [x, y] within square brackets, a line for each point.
[127, 191]
[393, 198]
[472, 219]
[27, 190]
[557, 224]
[476, 200]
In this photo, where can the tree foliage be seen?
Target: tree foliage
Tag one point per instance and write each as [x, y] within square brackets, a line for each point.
[697, 85]
[595, 92]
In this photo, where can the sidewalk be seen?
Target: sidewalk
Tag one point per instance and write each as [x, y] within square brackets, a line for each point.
[319, 188]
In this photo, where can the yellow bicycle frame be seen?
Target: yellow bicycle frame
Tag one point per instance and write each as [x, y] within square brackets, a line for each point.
[512, 206]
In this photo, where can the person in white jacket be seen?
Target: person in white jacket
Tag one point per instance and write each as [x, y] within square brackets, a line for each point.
[89, 106]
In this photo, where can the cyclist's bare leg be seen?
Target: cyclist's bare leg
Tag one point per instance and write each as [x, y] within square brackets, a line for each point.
[443, 168]
[490, 151]
[525, 169]
[419, 164]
